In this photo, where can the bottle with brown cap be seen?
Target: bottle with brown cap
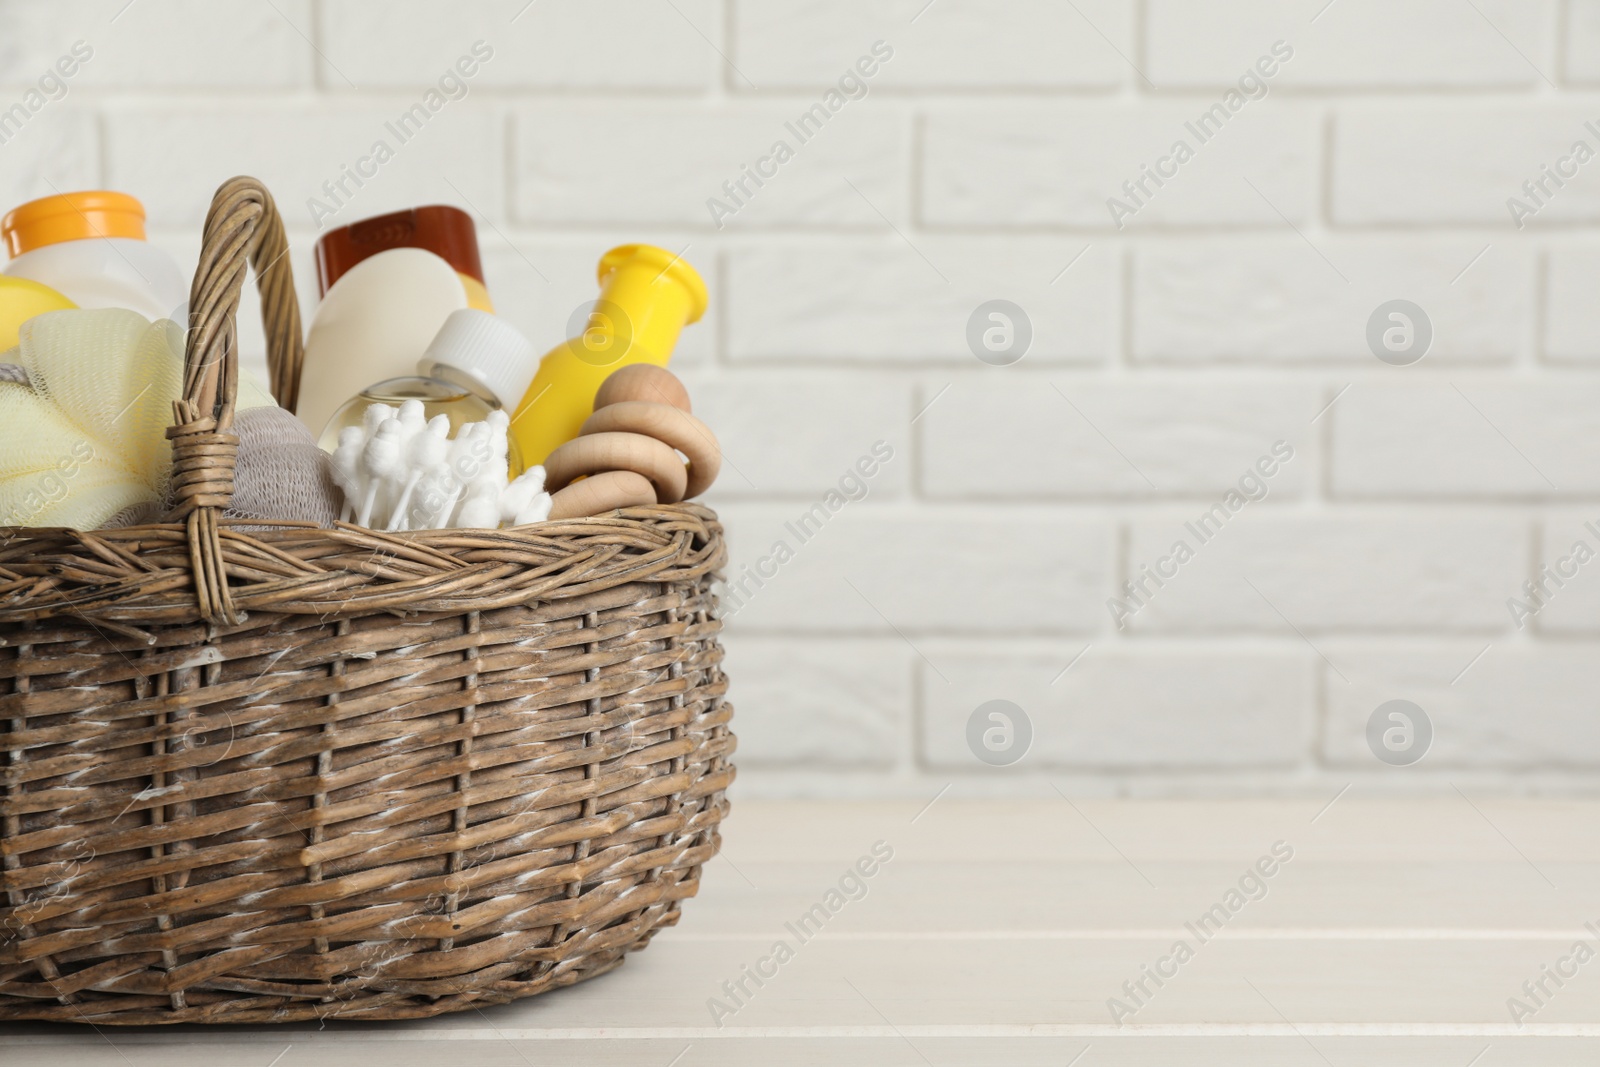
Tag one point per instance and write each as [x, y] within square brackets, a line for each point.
[445, 231]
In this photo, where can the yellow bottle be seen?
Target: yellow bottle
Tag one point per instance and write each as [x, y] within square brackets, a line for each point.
[20, 300]
[647, 296]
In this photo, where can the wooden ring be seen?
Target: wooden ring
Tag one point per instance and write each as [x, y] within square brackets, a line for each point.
[597, 452]
[600, 493]
[677, 428]
[642, 381]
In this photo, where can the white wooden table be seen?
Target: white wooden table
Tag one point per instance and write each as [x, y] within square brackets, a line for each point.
[998, 932]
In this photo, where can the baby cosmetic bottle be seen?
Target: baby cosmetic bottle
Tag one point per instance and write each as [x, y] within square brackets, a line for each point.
[445, 231]
[647, 296]
[375, 324]
[21, 300]
[90, 247]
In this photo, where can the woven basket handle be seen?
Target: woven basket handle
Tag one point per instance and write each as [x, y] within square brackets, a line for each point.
[243, 227]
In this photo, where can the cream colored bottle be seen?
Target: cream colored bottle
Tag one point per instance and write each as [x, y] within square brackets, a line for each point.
[375, 324]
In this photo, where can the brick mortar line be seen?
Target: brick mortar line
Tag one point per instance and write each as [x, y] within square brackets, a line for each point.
[179, 96]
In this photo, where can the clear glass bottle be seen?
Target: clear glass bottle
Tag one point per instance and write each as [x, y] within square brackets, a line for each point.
[475, 363]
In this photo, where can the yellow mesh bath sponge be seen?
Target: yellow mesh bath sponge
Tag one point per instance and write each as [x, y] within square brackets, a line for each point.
[83, 440]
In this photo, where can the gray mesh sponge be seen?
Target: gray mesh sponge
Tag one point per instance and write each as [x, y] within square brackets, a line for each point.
[281, 473]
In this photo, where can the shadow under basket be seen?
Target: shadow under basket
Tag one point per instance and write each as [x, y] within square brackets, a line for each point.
[294, 773]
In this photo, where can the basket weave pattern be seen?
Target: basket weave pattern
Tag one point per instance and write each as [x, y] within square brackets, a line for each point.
[298, 773]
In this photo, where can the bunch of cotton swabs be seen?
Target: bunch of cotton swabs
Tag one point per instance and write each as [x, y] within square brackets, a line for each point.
[402, 471]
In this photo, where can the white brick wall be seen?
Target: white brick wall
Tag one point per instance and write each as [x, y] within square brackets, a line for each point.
[1551, 687]
[872, 299]
[1031, 44]
[1273, 299]
[1168, 354]
[1472, 436]
[1401, 163]
[583, 164]
[1175, 439]
[1132, 709]
[1054, 166]
[1362, 570]
[1354, 44]
[552, 45]
[174, 45]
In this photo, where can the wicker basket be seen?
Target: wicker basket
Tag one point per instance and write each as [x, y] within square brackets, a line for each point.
[306, 773]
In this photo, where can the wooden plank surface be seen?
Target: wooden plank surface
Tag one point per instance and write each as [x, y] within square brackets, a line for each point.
[1387, 932]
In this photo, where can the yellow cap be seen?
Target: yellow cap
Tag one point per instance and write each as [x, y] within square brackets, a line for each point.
[653, 292]
[647, 296]
[71, 217]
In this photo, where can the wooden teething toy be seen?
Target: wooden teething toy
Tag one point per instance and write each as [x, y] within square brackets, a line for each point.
[627, 452]
[597, 452]
[642, 381]
[600, 493]
[674, 426]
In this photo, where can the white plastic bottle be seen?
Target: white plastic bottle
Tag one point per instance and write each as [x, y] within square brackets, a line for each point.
[91, 248]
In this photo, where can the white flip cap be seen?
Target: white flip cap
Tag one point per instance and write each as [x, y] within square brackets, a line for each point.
[487, 349]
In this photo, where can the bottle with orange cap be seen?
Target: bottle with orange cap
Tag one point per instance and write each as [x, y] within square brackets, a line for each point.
[90, 247]
[647, 296]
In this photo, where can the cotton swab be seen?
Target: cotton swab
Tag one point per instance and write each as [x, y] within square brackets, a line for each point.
[411, 421]
[375, 416]
[379, 460]
[467, 453]
[425, 455]
[521, 495]
[399, 472]
[486, 481]
[537, 510]
[482, 508]
[347, 467]
[499, 424]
